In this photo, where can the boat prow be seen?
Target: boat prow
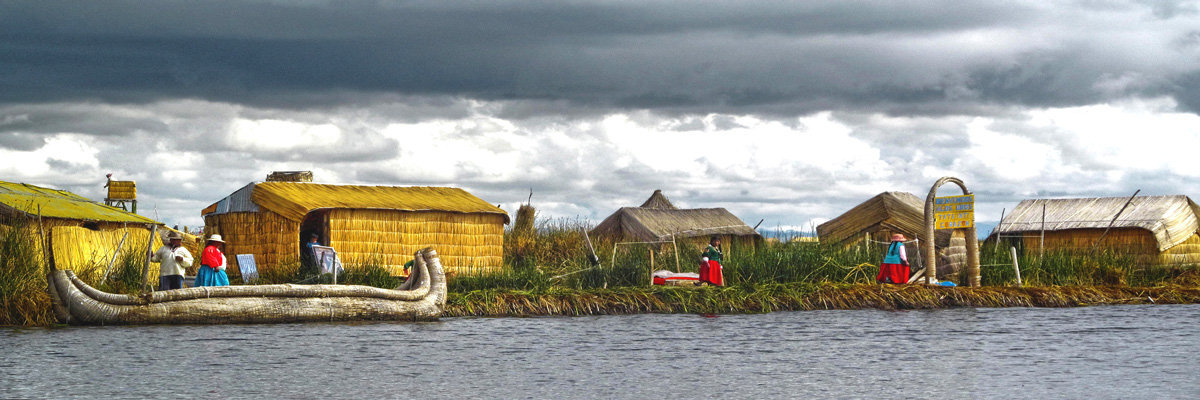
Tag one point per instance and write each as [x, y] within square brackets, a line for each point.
[421, 297]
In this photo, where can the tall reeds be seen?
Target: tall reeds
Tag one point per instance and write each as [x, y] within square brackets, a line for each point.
[23, 296]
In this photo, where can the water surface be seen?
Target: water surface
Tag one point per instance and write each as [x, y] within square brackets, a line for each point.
[1111, 352]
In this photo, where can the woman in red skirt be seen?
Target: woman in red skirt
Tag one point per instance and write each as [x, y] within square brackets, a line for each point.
[895, 263]
[710, 263]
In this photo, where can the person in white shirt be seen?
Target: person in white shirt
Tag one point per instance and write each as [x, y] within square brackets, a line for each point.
[173, 261]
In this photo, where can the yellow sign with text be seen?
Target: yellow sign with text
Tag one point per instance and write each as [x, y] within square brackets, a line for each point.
[954, 212]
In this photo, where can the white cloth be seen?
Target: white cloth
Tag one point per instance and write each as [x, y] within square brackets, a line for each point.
[223, 263]
[165, 256]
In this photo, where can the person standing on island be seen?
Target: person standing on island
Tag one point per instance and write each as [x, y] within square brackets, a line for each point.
[710, 263]
[895, 263]
[173, 259]
[212, 264]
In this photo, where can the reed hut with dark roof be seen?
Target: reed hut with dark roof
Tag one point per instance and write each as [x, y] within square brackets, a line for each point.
[658, 220]
[872, 223]
[382, 225]
[80, 233]
[1162, 230]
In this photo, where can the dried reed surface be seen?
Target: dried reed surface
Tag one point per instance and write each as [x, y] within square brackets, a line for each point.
[800, 297]
[554, 278]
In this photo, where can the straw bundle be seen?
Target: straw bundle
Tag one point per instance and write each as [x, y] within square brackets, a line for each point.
[122, 190]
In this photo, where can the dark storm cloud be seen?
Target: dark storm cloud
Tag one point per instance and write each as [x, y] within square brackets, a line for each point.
[763, 57]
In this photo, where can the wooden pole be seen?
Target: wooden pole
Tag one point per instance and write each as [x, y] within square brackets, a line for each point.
[651, 267]
[591, 250]
[997, 230]
[676, 247]
[1016, 267]
[1042, 240]
[1114, 220]
[114, 257]
[42, 239]
[146, 265]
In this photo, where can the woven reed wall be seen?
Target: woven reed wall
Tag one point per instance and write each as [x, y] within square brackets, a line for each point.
[466, 243]
[273, 240]
[1133, 241]
[1184, 253]
[122, 190]
[87, 252]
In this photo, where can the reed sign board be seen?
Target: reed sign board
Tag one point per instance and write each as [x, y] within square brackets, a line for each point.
[954, 212]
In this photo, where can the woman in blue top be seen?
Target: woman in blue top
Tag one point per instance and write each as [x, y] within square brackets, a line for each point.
[895, 263]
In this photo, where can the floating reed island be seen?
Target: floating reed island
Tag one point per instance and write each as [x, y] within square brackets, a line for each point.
[567, 267]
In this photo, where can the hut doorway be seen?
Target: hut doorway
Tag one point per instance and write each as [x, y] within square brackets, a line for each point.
[316, 221]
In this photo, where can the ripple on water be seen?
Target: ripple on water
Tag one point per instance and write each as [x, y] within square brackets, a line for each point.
[1095, 352]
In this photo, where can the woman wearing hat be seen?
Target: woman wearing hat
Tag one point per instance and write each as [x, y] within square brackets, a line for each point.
[212, 264]
[895, 263]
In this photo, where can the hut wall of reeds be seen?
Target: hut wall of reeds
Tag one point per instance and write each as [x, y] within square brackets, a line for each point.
[81, 234]
[1159, 230]
[380, 225]
[658, 220]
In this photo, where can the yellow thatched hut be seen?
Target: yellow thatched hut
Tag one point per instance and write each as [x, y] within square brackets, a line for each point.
[659, 220]
[382, 225]
[81, 234]
[1156, 229]
[872, 223]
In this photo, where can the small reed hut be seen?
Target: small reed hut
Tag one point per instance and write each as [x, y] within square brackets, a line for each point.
[871, 224]
[381, 225]
[1158, 230]
[659, 220]
[81, 234]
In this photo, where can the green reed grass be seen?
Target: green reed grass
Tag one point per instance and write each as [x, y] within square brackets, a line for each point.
[23, 296]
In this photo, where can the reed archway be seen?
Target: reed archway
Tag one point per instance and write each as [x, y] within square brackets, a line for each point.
[928, 245]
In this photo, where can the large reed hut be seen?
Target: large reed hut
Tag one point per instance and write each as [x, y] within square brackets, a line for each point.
[1156, 229]
[381, 225]
[657, 220]
[81, 234]
[870, 226]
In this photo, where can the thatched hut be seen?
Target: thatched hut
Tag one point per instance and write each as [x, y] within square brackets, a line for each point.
[872, 223]
[658, 220]
[1156, 229]
[381, 225]
[81, 234]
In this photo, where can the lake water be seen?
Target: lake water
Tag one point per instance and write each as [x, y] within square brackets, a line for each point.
[1112, 352]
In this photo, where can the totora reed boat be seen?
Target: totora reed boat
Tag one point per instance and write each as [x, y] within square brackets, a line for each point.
[421, 297]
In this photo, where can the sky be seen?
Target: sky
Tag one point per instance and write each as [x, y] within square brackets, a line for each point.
[788, 113]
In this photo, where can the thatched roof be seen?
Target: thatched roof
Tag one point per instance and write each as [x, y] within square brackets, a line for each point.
[898, 212]
[1172, 219]
[659, 200]
[30, 200]
[658, 219]
[293, 200]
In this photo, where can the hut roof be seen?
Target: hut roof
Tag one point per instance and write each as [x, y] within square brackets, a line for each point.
[293, 200]
[900, 212]
[27, 199]
[1172, 219]
[658, 200]
[660, 224]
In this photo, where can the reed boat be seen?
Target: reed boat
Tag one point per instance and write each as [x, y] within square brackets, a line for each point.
[421, 297]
